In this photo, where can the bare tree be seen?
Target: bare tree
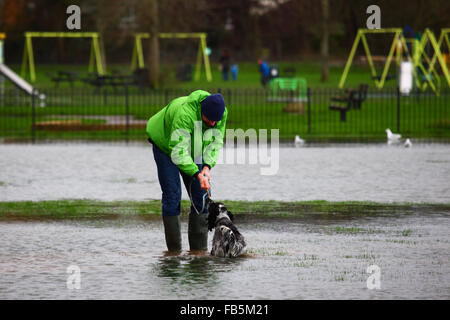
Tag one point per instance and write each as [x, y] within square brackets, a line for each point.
[153, 58]
[324, 45]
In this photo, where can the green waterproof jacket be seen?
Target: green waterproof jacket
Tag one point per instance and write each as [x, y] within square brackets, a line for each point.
[178, 130]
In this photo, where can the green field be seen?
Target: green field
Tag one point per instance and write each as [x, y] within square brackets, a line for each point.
[250, 107]
[419, 117]
[248, 75]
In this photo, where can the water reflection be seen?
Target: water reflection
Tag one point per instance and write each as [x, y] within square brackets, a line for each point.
[288, 259]
[193, 268]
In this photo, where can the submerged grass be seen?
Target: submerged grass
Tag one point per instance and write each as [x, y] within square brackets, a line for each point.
[243, 210]
[351, 230]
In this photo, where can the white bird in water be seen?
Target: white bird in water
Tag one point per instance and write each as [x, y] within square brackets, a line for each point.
[408, 143]
[392, 136]
[299, 141]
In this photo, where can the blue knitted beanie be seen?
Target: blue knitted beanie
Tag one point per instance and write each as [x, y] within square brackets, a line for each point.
[213, 107]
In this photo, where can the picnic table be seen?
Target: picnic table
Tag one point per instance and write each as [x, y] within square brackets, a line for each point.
[113, 81]
[139, 78]
[63, 76]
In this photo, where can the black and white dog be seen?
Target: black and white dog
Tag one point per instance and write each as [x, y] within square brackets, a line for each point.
[227, 242]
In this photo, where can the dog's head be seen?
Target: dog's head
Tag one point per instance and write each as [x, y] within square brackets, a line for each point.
[215, 209]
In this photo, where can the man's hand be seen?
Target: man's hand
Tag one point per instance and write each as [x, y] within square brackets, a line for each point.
[205, 172]
[204, 177]
[204, 184]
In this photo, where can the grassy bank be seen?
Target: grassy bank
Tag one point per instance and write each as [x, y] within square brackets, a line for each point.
[248, 75]
[90, 209]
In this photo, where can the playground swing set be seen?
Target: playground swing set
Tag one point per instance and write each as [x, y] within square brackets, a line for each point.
[438, 53]
[428, 75]
[95, 59]
[442, 37]
[417, 51]
[418, 56]
[137, 60]
[97, 63]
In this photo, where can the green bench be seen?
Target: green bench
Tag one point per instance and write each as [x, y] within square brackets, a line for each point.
[288, 90]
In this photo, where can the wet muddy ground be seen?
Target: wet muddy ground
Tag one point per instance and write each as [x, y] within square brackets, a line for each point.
[289, 258]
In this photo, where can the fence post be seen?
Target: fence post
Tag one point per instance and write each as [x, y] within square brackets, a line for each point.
[127, 113]
[308, 93]
[33, 117]
[398, 109]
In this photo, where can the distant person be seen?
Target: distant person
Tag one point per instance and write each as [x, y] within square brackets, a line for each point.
[234, 71]
[265, 72]
[225, 65]
[409, 33]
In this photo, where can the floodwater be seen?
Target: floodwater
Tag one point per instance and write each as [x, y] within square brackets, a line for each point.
[308, 257]
[362, 172]
[288, 258]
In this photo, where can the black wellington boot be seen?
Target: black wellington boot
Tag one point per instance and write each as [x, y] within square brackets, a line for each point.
[198, 231]
[172, 232]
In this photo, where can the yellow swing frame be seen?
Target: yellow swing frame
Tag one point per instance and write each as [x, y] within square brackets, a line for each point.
[361, 37]
[429, 36]
[415, 56]
[28, 57]
[138, 55]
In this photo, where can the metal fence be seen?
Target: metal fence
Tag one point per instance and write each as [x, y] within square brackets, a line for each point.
[84, 114]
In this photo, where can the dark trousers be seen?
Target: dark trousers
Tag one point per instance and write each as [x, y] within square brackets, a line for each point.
[169, 179]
